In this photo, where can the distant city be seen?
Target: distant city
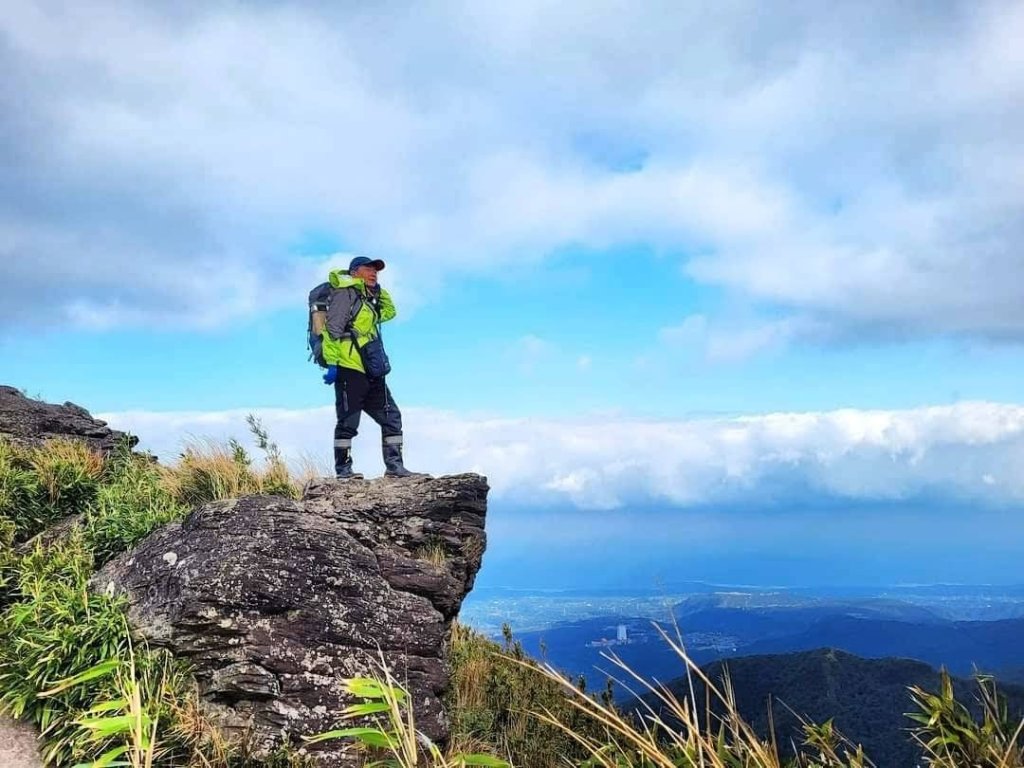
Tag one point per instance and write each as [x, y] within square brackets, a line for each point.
[488, 609]
[964, 628]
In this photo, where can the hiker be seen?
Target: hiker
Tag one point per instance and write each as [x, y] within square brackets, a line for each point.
[357, 364]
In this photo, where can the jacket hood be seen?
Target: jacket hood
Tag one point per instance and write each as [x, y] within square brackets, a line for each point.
[340, 278]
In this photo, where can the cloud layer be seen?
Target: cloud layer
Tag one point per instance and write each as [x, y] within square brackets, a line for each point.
[855, 166]
[971, 452]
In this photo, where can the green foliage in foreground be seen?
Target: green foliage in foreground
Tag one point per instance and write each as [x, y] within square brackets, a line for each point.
[52, 627]
[495, 691]
[39, 486]
[54, 630]
[387, 734]
[58, 629]
[116, 501]
[952, 736]
[132, 503]
[674, 737]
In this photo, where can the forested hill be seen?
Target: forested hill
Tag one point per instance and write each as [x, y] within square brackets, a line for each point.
[867, 698]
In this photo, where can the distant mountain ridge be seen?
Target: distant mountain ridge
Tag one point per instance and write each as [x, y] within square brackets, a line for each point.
[959, 645]
[717, 626]
[812, 607]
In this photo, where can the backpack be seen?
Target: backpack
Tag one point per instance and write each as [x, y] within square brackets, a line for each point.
[319, 299]
[374, 358]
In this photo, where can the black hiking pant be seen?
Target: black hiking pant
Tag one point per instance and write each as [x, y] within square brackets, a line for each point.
[354, 393]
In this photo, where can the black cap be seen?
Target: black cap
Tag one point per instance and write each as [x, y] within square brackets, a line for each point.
[362, 261]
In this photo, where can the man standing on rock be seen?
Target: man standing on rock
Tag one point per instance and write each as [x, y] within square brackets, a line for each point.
[351, 342]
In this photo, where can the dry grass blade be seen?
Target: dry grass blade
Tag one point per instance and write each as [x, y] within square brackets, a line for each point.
[1014, 755]
[643, 740]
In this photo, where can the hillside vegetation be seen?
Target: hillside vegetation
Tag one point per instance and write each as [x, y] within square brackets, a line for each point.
[69, 664]
[865, 698]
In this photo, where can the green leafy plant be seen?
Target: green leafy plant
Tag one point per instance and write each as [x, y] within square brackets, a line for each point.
[56, 629]
[131, 720]
[20, 492]
[276, 479]
[951, 735]
[8, 560]
[392, 732]
[57, 632]
[69, 474]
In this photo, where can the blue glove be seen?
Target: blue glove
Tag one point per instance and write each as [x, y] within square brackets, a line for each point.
[332, 374]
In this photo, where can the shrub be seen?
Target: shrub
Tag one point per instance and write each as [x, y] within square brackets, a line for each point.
[55, 638]
[495, 690]
[135, 727]
[20, 492]
[128, 506]
[8, 560]
[41, 485]
[56, 630]
[69, 474]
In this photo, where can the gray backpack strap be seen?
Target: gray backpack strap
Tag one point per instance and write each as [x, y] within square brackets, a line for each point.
[341, 311]
[357, 305]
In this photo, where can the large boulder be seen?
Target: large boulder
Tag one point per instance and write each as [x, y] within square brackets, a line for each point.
[276, 601]
[33, 422]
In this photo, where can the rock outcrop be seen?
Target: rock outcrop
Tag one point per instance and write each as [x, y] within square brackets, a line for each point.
[276, 601]
[33, 422]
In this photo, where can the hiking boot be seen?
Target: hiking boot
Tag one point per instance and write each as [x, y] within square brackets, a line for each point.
[393, 465]
[343, 463]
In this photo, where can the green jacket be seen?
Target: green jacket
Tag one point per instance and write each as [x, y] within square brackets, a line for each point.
[338, 348]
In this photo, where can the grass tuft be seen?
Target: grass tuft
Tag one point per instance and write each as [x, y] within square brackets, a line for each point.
[494, 688]
[433, 552]
[42, 485]
[208, 471]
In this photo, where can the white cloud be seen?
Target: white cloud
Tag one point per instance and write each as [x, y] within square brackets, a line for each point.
[968, 451]
[530, 351]
[859, 165]
[732, 342]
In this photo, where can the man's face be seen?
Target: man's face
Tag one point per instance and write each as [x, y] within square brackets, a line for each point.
[368, 273]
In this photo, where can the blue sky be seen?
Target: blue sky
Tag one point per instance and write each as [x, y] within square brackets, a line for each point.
[672, 261]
